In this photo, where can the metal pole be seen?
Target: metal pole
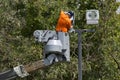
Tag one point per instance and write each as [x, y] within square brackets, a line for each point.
[80, 55]
[80, 50]
[31, 67]
[8, 75]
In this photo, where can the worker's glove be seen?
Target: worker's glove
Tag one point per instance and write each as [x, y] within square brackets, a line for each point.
[71, 30]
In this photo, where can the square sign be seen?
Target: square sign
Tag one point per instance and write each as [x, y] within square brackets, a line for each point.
[117, 0]
[118, 10]
[92, 16]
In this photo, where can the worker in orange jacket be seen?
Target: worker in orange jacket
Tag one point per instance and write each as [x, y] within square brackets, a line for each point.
[65, 22]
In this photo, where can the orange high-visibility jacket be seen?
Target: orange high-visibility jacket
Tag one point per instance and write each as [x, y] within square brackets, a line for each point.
[64, 23]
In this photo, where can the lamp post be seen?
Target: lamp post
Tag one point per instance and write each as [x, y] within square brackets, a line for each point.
[80, 50]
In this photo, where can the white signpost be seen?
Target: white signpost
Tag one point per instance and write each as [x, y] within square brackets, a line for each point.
[92, 16]
[117, 0]
[118, 10]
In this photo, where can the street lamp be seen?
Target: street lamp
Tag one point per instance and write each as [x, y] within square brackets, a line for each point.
[92, 17]
[80, 50]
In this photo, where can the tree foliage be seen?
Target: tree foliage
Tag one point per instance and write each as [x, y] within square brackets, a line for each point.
[19, 19]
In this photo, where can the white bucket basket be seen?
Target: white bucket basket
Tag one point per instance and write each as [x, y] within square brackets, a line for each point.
[53, 46]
